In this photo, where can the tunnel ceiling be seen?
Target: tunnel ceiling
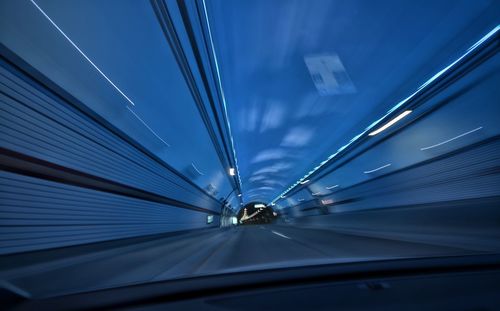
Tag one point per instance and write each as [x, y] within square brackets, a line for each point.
[301, 78]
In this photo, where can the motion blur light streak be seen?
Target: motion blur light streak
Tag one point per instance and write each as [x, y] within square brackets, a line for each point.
[451, 139]
[196, 169]
[377, 169]
[426, 84]
[81, 52]
[219, 83]
[332, 187]
[390, 123]
[96, 213]
[147, 126]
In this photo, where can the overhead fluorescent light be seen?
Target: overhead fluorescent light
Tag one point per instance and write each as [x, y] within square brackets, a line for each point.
[232, 171]
[331, 187]
[390, 123]
[491, 34]
[239, 195]
[304, 182]
[259, 205]
[300, 200]
[327, 201]
[316, 193]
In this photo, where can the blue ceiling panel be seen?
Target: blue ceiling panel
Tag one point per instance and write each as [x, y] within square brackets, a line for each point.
[301, 78]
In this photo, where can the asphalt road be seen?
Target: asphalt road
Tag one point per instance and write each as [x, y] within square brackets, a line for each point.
[125, 262]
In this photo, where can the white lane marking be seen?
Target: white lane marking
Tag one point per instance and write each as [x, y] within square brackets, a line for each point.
[81, 52]
[281, 235]
[147, 126]
[451, 139]
[15, 289]
[377, 169]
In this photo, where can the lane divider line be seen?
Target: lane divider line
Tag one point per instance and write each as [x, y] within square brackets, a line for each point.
[281, 235]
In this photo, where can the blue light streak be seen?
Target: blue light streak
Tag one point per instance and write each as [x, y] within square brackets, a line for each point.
[212, 46]
[398, 105]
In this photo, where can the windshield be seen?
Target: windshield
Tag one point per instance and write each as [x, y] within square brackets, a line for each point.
[144, 141]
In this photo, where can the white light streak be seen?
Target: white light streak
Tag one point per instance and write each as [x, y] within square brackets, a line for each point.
[281, 235]
[451, 139]
[390, 123]
[196, 169]
[147, 126]
[375, 123]
[304, 182]
[332, 187]
[377, 169]
[81, 52]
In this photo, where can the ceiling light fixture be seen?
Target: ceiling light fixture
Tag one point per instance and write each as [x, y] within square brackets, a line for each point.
[390, 123]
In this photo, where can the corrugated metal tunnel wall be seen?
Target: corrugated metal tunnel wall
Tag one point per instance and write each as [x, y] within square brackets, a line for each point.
[450, 201]
[446, 193]
[67, 179]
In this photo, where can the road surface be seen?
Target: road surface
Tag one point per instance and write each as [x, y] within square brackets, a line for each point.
[119, 263]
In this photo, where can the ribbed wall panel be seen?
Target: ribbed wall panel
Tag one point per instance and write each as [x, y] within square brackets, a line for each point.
[39, 214]
[472, 173]
[37, 124]
[133, 192]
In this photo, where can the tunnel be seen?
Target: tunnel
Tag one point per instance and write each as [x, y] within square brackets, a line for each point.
[157, 141]
[256, 213]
